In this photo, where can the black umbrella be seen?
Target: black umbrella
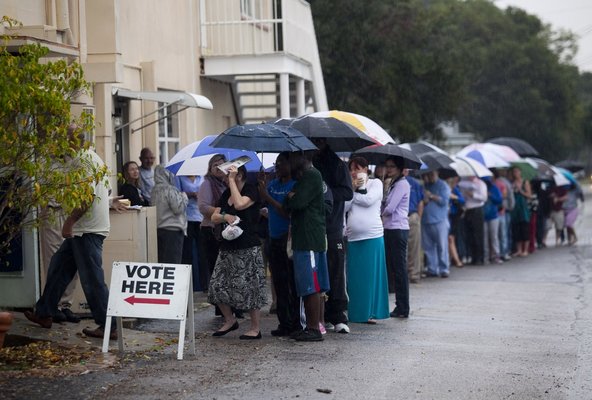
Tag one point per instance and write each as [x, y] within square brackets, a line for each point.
[377, 154]
[436, 161]
[340, 135]
[263, 138]
[523, 148]
[571, 165]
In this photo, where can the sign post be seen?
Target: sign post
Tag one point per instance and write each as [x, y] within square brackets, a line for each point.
[158, 291]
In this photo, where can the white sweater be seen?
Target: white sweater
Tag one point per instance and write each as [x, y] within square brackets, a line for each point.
[363, 213]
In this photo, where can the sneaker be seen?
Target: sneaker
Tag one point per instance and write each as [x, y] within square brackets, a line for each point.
[329, 326]
[309, 335]
[507, 257]
[444, 274]
[341, 328]
[70, 316]
[322, 329]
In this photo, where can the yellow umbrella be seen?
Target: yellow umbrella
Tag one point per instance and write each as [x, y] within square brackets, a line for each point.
[365, 124]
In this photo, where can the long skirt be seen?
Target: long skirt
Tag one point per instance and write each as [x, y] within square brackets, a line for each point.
[238, 279]
[367, 281]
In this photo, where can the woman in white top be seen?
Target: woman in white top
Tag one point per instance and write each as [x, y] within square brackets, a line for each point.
[367, 282]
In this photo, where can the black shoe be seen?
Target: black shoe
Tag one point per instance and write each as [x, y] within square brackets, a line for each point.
[309, 335]
[396, 313]
[70, 316]
[59, 316]
[234, 327]
[295, 334]
[247, 337]
[280, 332]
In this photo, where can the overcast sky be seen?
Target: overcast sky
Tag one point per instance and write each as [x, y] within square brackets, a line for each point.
[575, 15]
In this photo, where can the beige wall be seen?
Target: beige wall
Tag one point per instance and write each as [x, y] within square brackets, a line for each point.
[153, 45]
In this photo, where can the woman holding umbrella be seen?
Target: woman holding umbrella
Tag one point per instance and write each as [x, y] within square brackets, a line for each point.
[238, 279]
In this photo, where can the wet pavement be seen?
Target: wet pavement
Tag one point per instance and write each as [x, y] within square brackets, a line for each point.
[520, 330]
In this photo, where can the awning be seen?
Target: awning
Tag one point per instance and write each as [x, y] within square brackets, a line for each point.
[183, 99]
[169, 97]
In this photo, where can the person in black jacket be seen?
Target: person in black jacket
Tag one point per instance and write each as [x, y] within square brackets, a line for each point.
[336, 176]
[132, 188]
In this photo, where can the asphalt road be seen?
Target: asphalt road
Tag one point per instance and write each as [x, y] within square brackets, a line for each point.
[521, 330]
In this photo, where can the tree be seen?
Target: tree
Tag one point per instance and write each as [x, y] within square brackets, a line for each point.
[40, 139]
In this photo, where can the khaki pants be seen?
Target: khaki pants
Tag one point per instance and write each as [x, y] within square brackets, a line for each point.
[50, 240]
[414, 248]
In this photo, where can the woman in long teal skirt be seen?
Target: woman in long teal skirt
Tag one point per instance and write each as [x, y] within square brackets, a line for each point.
[367, 282]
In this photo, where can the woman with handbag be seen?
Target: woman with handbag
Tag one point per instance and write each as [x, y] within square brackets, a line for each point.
[238, 279]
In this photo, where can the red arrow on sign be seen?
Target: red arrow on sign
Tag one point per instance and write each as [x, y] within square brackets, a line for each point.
[146, 300]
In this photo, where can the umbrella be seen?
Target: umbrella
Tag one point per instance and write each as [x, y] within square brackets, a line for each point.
[340, 135]
[559, 179]
[527, 167]
[466, 166]
[378, 154]
[520, 146]
[434, 160]
[193, 159]
[487, 158]
[365, 124]
[263, 138]
[545, 172]
[571, 165]
[422, 147]
[504, 152]
[572, 179]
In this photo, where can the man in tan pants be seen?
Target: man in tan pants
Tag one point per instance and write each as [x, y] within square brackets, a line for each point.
[414, 241]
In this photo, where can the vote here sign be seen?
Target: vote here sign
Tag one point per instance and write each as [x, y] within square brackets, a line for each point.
[145, 290]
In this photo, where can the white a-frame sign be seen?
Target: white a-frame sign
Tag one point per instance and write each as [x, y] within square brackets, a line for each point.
[157, 291]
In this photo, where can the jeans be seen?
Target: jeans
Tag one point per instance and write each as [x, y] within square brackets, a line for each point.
[504, 241]
[395, 245]
[282, 276]
[193, 255]
[491, 244]
[434, 238]
[85, 255]
[336, 306]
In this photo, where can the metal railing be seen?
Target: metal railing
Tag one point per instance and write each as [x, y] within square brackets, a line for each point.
[254, 27]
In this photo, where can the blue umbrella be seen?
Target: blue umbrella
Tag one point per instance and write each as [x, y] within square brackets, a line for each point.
[263, 138]
[193, 158]
[570, 177]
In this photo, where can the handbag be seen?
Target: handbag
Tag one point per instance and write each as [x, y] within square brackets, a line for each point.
[217, 231]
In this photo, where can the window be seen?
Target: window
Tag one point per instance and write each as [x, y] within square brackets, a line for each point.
[168, 132]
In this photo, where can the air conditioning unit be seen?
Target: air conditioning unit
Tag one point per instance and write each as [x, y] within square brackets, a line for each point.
[77, 110]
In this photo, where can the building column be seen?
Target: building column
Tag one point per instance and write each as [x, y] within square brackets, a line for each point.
[284, 95]
[300, 102]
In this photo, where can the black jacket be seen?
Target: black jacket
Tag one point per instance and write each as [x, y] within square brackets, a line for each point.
[336, 176]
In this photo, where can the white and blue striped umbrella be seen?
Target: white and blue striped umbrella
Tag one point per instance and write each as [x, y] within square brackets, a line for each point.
[193, 159]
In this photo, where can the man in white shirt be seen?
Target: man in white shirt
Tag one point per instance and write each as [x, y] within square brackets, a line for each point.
[474, 190]
[84, 231]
